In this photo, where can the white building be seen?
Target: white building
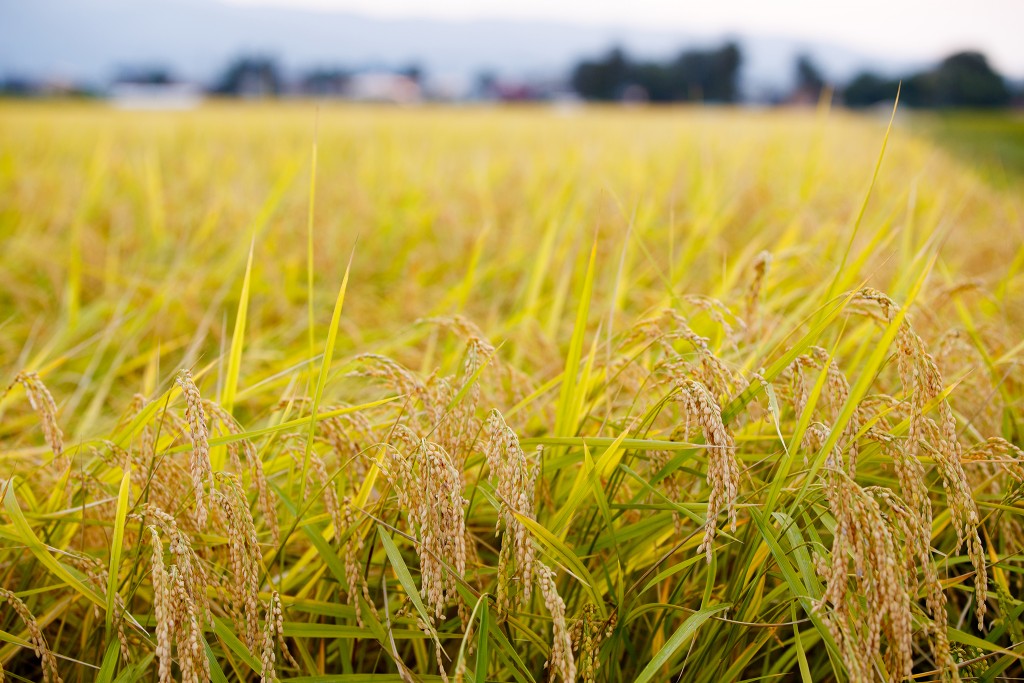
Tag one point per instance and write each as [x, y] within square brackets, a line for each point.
[378, 86]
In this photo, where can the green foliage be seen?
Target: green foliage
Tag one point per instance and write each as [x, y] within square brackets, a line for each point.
[991, 142]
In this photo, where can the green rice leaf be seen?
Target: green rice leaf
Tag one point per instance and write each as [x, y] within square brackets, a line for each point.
[682, 634]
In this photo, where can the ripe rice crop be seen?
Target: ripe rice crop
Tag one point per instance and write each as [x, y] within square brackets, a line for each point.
[374, 394]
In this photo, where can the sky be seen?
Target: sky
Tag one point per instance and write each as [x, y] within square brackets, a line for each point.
[902, 29]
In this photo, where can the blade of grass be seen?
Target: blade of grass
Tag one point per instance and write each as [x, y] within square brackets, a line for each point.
[841, 270]
[801, 654]
[682, 634]
[226, 633]
[566, 418]
[482, 640]
[94, 185]
[460, 660]
[325, 368]
[227, 398]
[405, 578]
[24, 531]
[796, 586]
[116, 543]
[310, 265]
[606, 464]
[109, 664]
[216, 672]
[567, 557]
[136, 670]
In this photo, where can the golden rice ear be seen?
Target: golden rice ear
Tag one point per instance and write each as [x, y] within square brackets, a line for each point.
[180, 603]
[723, 470]
[587, 634]
[355, 580]
[515, 483]
[429, 490]
[442, 526]
[865, 547]
[35, 636]
[561, 661]
[273, 637]
[1001, 452]
[923, 388]
[41, 400]
[244, 556]
[224, 421]
[202, 472]
[162, 608]
[758, 272]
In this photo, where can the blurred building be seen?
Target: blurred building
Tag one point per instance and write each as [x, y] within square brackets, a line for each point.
[152, 88]
[383, 86]
[323, 83]
[149, 96]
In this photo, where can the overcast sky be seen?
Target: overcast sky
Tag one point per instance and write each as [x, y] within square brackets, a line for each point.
[905, 29]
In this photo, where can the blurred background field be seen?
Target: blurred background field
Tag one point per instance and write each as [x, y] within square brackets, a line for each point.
[995, 141]
[147, 218]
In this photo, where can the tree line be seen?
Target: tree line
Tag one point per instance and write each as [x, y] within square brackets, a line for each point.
[965, 79]
[693, 75]
[962, 80]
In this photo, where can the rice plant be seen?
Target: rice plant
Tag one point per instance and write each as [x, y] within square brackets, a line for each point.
[517, 395]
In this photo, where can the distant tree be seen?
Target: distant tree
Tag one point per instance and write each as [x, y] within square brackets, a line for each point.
[723, 85]
[18, 86]
[707, 75]
[689, 73]
[148, 75]
[868, 89]
[603, 79]
[710, 75]
[809, 81]
[966, 79]
[919, 90]
[253, 76]
[654, 81]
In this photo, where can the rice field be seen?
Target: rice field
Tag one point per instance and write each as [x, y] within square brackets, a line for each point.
[359, 394]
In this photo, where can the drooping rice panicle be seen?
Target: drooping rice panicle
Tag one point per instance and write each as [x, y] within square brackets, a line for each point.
[42, 402]
[48, 663]
[560, 661]
[202, 473]
[515, 485]
[723, 470]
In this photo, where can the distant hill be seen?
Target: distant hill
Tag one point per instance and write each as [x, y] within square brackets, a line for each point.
[91, 39]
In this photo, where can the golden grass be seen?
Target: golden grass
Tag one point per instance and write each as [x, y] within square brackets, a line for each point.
[600, 334]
